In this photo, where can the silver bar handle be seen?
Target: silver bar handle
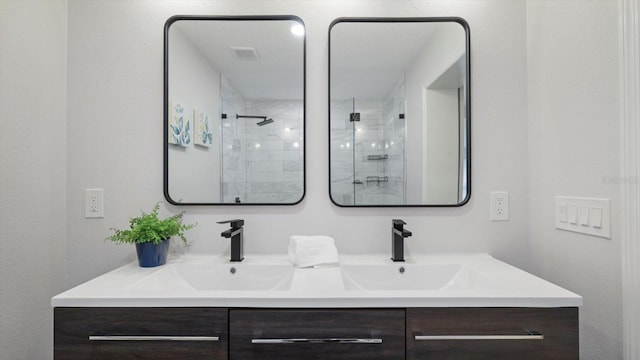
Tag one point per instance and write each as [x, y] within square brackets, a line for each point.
[151, 338]
[317, 341]
[530, 335]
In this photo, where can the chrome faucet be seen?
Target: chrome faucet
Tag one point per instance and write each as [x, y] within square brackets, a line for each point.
[237, 238]
[398, 233]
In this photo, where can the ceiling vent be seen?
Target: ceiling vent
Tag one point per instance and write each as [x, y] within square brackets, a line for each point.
[245, 53]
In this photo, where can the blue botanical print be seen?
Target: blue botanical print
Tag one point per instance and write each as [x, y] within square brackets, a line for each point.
[180, 129]
[186, 134]
[206, 137]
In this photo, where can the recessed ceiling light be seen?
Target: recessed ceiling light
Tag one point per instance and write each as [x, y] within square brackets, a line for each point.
[297, 29]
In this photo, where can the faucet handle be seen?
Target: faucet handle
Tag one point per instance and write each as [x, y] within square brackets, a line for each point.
[235, 223]
[398, 223]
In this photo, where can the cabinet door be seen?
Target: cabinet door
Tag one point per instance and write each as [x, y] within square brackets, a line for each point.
[492, 333]
[317, 334]
[140, 333]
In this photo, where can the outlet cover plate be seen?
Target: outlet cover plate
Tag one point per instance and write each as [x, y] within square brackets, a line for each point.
[499, 206]
[94, 203]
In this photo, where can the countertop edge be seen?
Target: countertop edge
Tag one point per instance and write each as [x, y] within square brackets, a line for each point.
[95, 293]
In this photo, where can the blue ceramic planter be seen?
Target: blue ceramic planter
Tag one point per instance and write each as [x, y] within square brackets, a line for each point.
[150, 254]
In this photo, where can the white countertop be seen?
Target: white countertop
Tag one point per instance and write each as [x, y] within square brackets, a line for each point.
[488, 282]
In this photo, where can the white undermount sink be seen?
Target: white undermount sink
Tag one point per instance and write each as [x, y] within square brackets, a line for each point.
[235, 277]
[400, 276]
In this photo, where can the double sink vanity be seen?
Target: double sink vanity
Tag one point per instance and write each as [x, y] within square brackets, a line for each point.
[234, 135]
[366, 307]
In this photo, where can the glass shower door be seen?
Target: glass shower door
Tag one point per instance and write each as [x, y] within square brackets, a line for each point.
[369, 157]
[233, 139]
[367, 151]
[343, 182]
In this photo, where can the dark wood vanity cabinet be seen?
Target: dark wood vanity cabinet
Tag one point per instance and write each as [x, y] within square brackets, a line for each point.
[322, 334]
[492, 333]
[316, 334]
[140, 333]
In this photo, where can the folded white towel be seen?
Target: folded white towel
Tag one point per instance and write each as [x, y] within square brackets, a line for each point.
[305, 251]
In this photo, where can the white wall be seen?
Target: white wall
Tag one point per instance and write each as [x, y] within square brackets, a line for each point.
[441, 146]
[424, 175]
[119, 64]
[33, 164]
[114, 141]
[574, 144]
[195, 84]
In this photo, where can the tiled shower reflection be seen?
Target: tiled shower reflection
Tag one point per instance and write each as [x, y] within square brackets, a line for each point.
[262, 164]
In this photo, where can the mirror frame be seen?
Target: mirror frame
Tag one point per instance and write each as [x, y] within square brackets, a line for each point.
[465, 25]
[167, 26]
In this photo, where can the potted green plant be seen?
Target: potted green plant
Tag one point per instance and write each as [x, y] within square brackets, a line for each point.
[151, 236]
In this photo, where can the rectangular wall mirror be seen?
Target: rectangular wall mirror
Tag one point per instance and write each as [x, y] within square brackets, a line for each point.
[399, 112]
[234, 110]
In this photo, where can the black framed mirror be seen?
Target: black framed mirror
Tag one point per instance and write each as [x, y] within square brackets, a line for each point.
[234, 110]
[399, 112]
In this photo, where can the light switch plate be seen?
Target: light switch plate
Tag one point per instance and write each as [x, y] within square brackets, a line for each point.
[591, 216]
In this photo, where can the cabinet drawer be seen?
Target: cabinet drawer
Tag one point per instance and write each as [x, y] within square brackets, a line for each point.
[317, 334]
[492, 333]
[140, 333]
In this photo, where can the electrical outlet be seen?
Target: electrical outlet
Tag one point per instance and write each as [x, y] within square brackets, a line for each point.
[94, 203]
[499, 206]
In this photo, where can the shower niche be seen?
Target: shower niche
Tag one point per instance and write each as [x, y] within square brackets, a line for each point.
[399, 113]
[234, 110]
